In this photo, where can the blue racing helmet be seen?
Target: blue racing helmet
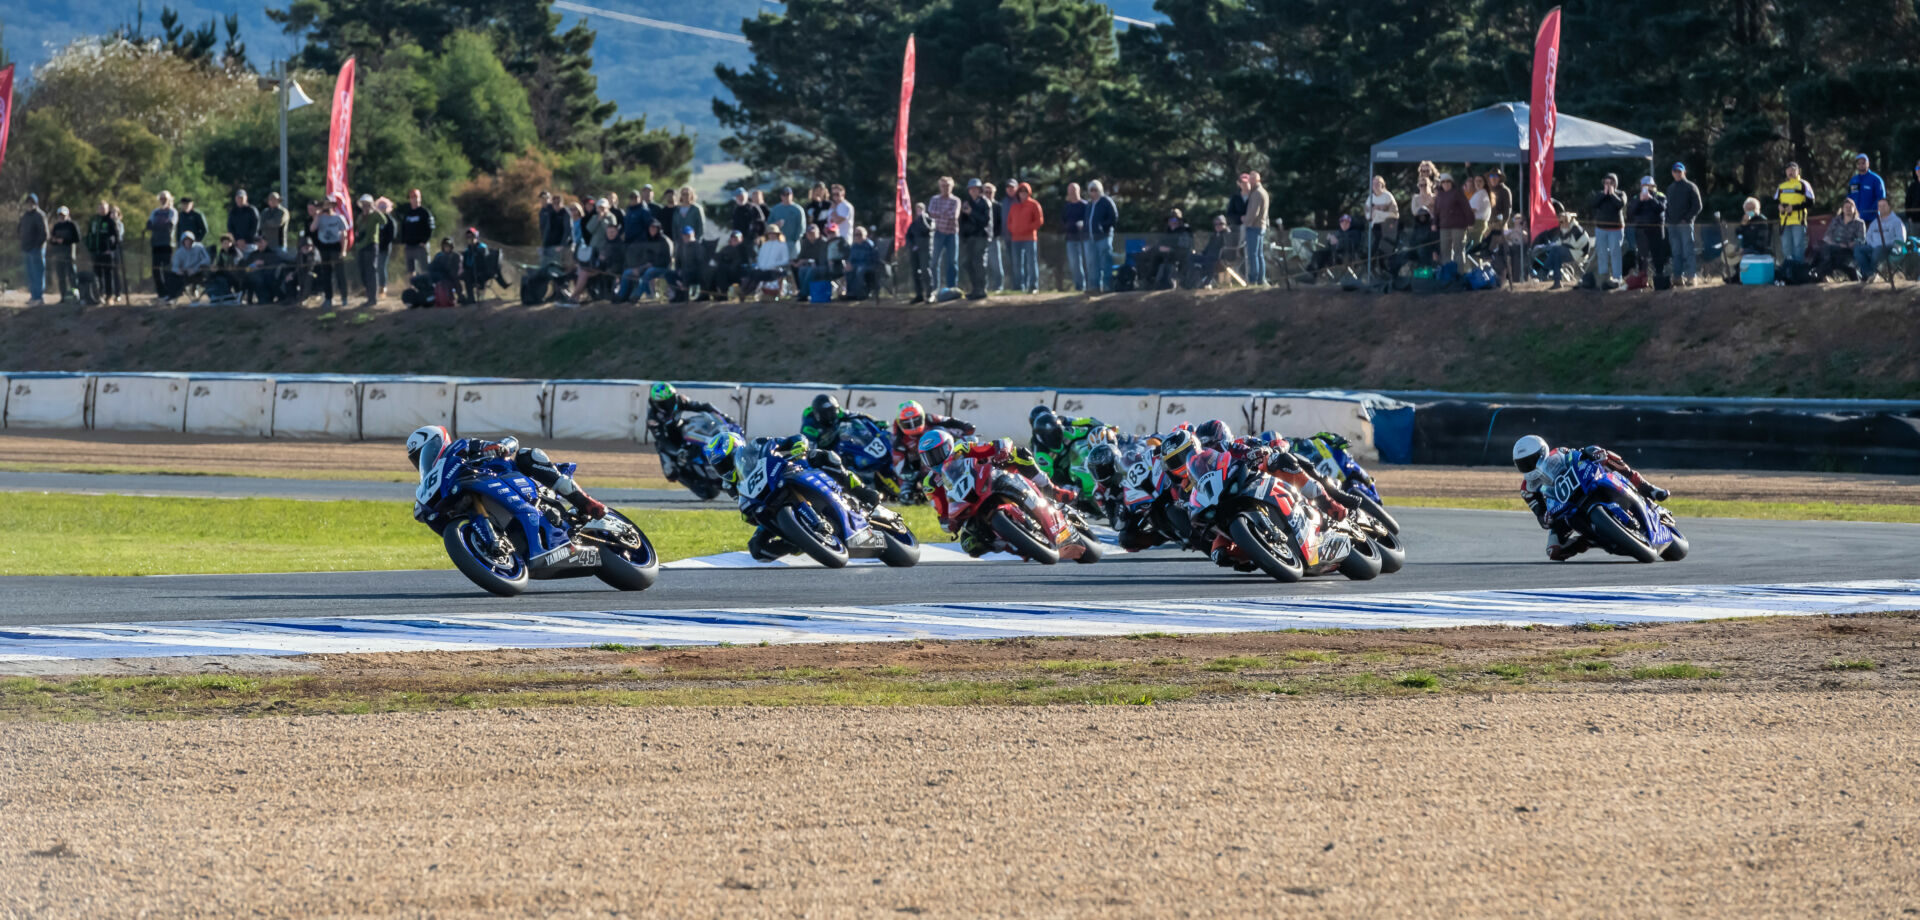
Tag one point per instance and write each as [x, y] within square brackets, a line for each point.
[936, 446]
[719, 454]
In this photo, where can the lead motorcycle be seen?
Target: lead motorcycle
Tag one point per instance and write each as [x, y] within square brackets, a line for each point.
[1604, 507]
[808, 508]
[1022, 521]
[1274, 528]
[680, 447]
[502, 529]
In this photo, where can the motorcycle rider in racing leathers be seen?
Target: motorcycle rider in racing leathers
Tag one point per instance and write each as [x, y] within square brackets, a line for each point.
[723, 451]
[1540, 465]
[820, 425]
[913, 422]
[665, 406]
[1130, 509]
[976, 536]
[1053, 436]
[532, 462]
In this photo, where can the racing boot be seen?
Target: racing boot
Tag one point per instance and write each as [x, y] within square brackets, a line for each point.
[974, 542]
[766, 545]
[586, 504]
[863, 493]
[1565, 544]
[1222, 552]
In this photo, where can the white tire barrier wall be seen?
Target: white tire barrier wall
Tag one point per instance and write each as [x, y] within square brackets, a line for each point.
[883, 403]
[139, 402]
[316, 407]
[48, 400]
[773, 410]
[1000, 412]
[392, 407]
[1134, 412]
[230, 405]
[1244, 412]
[1298, 415]
[495, 408]
[602, 410]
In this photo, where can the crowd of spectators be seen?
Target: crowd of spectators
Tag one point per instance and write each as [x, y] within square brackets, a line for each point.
[964, 241]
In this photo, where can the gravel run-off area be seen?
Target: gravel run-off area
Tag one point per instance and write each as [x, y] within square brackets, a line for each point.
[1742, 803]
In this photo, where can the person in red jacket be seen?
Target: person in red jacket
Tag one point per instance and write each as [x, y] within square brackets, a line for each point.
[1024, 220]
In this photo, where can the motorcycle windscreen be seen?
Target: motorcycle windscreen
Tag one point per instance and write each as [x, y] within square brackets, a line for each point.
[433, 471]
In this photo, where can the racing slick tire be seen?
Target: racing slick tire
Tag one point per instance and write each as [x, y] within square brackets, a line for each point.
[1363, 562]
[902, 551]
[629, 568]
[1022, 540]
[1616, 538]
[1393, 555]
[507, 582]
[1092, 550]
[1677, 550]
[809, 542]
[1269, 546]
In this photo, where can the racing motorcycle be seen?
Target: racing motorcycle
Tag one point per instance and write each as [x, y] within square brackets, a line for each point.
[680, 449]
[866, 448]
[502, 529]
[1273, 527]
[1338, 468]
[1023, 522]
[1604, 507]
[1148, 484]
[808, 508]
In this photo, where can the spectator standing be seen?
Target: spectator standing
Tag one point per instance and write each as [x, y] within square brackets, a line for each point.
[840, 212]
[1502, 214]
[1426, 170]
[1453, 214]
[1102, 216]
[243, 219]
[1648, 217]
[1683, 208]
[366, 238]
[556, 232]
[603, 216]
[789, 217]
[1383, 217]
[416, 233]
[103, 251]
[1913, 197]
[63, 244]
[1792, 198]
[1482, 203]
[750, 219]
[996, 268]
[1237, 202]
[1845, 231]
[1255, 223]
[661, 212]
[688, 213]
[1422, 200]
[1883, 232]
[192, 221]
[1754, 233]
[1073, 218]
[389, 230]
[476, 266]
[944, 210]
[920, 252]
[1609, 223]
[819, 206]
[330, 237]
[1024, 220]
[1003, 237]
[633, 223]
[33, 249]
[976, 237]
[273, 222]
[1865, 188]
[161, 227]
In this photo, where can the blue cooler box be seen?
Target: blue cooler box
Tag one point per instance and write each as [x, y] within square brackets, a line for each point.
[1756, 269]
[822, 291]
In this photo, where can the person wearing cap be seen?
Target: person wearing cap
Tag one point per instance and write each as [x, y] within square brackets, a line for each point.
[33, 249]
[1254, 223]
[476, 267]
[1025, 217]
[1865, 188]
[944, 210]
[103, 239]
[63, 244]
[1647, 215]
[1163, 263]
[1791, 199]
[1609, 210]
[1073, 218]
[1102, 216]
[1683, 208]
[273, 222]
[416, 233]
[1453, 216]
[976, 236]
[789, 217]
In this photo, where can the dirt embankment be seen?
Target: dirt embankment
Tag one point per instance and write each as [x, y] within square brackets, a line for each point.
[1829, 341]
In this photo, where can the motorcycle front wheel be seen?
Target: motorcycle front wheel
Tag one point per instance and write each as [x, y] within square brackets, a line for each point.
[629, 567]
[809, 541]
[1393, 553]
[903, 549]
[1617, 539]
[1270, 547]
[506, 578]
[1021, 539]
[1362, 562]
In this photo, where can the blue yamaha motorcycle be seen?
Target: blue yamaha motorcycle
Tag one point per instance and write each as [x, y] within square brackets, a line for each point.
[866, 448]
[1603, 506]
[807, 507]
[502, 529]
[1336, 466]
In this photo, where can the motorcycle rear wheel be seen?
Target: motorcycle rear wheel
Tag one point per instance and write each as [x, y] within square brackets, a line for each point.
[1617, 539]
[1022, 540]
[629, 568]
[478, 570]
[1269, 546]
[809, 542]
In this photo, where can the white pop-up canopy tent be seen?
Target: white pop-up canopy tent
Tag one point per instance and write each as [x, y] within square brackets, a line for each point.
[1499, 134]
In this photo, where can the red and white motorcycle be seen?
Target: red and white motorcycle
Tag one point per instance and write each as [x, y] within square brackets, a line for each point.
[1023, 521]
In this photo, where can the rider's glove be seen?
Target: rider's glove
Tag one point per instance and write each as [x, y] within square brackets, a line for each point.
[1658, 494]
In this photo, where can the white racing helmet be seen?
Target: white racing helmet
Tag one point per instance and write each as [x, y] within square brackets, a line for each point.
[1528, 452]
[427, 439]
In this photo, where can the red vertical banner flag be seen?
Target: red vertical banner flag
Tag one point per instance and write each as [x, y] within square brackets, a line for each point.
[338, 140]
[902, 205]
[6, 108]
[1543, 118]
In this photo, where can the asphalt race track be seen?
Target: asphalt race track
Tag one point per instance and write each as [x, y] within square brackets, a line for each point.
[1448, 551]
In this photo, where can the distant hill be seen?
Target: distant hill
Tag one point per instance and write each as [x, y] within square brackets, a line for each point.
[665, 75]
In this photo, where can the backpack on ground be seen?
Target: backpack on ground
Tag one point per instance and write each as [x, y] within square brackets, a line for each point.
[1482, 279]
[1794, 271]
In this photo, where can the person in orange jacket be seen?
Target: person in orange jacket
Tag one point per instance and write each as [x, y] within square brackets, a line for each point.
[1024, 220]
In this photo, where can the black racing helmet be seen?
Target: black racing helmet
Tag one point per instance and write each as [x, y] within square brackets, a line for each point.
[824, 413]
[1104, 464]
[1214, 434]
[1047, 433]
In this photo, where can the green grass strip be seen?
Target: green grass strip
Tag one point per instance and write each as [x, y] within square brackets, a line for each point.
[60, 534]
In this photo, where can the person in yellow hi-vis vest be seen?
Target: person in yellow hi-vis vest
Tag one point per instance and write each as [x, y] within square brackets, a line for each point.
[1794, 197]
